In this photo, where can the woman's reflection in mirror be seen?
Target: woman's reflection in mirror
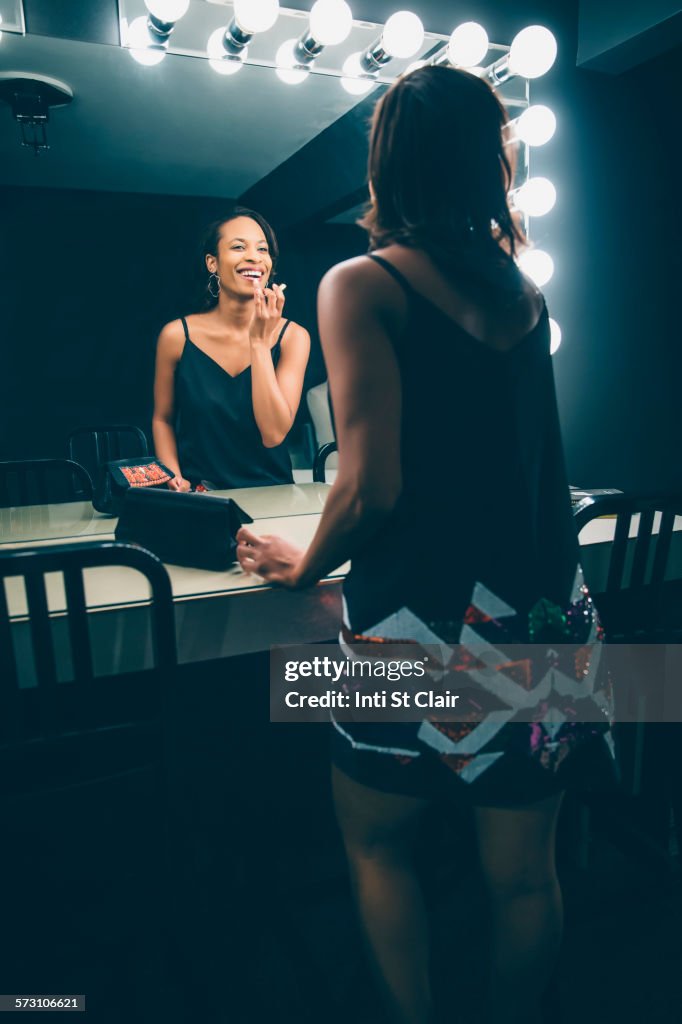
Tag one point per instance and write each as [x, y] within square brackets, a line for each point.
[229, 378]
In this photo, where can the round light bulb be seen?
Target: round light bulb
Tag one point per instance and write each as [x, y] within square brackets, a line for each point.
[554, 336]
[538, 265]
[468, 45]
[330, 22]
[536, 197]
[536, 125]
[143, 48]
[355, 80]
[286, 69]
[403, 34]
[414, 66]
[256, 15]
[167, 10]
[532, 52]
[219, 60]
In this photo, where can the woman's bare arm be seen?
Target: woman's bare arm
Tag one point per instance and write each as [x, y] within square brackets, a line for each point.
[356, 311]
[168, 351]
[276, 393]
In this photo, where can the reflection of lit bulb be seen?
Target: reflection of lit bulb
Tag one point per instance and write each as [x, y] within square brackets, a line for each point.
[414, 66]
[554, 335]
[256, 15]
[220, 61]
[355, 80]
[403, 34]
[143, 47]
[286, 64]
[536, 125]
[167, 10]
[532, 52]
[330, 22]
[468, 45]
[0, 24]
[538, 265]
[536, 197]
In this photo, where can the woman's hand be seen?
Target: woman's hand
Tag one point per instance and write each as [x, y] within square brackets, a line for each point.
[272, 558]
[179, 484]
[268, 306]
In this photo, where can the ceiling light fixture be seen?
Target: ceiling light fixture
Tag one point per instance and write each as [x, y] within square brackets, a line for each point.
[219, 60]
[356, 81]
[30, 97]
[250, 17]
[402, 36]
[531, 54]
[163, 15]
[468, 45]
[330, 23]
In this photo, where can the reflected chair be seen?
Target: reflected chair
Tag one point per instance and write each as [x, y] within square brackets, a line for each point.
[92, 446]
[320, 463]
[43, 482]
[82, 771]
[320, 411]
[639, 599]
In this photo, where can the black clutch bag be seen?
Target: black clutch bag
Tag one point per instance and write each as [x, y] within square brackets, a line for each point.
[115, 479]
[197, 530]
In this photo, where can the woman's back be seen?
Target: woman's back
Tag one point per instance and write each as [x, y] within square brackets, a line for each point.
[484, 492]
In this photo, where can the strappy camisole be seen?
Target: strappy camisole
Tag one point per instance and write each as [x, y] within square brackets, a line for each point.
[484, 491]
[218, 440]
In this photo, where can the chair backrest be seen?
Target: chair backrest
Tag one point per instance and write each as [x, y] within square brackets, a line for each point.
[42, 482]
[320, 413]
[639, 559]
[321, 459]
[56, 714]
[91, 446]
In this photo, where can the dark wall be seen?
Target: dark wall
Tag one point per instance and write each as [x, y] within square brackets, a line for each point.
[618, 273]
[87, 281]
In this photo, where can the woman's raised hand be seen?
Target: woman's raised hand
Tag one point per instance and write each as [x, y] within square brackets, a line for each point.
[268, 306]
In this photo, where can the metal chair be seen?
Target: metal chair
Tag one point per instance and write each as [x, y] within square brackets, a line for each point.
[43, 482]
[639, 601]
[83, 777]
[91, 446]
[57, 732]
[323, 453]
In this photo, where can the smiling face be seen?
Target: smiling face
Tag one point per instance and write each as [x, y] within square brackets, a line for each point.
[243, 258]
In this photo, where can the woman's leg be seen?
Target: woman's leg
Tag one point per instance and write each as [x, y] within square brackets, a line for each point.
[517, 857]
[378, 831]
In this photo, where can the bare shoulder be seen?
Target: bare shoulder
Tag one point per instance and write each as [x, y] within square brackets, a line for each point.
[360, 280]
[171, 340]
[294, 332]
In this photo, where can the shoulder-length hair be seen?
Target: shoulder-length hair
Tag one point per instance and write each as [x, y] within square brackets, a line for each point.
[440, 174]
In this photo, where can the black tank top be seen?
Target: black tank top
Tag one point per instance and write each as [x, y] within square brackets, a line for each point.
[217, 436]
[485, 496]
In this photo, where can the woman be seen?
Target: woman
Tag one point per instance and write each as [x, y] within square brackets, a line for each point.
[229, 380]
[452, 500]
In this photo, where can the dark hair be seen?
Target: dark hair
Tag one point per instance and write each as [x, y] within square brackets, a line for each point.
[211, 238]
[440, 175]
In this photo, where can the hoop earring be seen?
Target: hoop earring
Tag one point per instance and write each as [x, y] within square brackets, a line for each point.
[214, 294]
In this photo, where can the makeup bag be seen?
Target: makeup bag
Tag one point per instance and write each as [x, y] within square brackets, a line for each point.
[196, 530]
[115, 479]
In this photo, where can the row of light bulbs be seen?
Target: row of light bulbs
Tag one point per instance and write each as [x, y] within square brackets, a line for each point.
[531, 54]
